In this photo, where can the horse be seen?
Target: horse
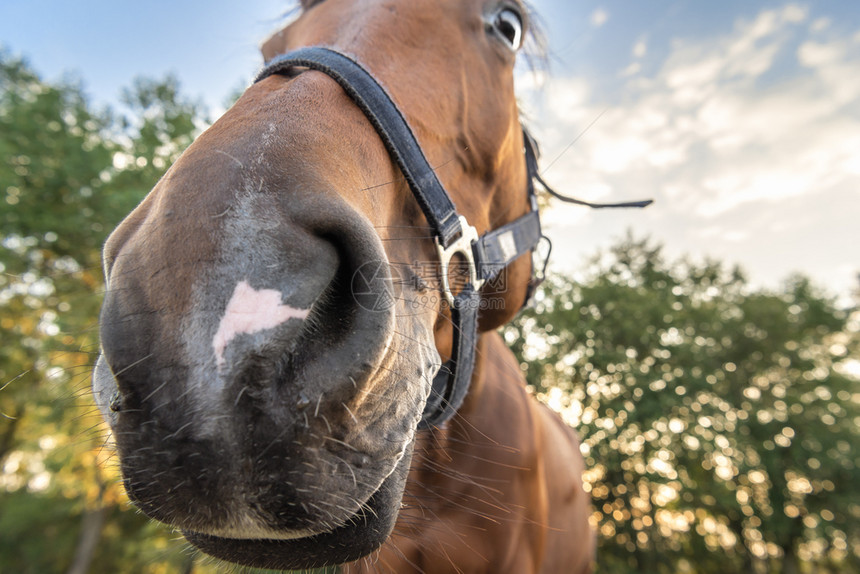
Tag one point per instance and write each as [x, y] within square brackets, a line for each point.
[299, 361]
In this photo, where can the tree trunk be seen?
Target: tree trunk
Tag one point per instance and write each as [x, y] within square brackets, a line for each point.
[91, 531]
[789, 561]
[188, 565]
[7, 437]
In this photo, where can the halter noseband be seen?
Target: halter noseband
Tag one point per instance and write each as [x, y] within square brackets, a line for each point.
[485, 255]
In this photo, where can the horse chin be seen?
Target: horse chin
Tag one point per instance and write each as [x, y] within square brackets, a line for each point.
[359, 536]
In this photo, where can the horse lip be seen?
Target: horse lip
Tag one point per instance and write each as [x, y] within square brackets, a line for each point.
[240, 531]
[247, 529]
[361, 534]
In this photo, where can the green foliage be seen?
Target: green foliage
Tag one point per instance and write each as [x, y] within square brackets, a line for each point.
[162, 124]
[719, 422]
[67, 176]
[54, 162]
[41, 535]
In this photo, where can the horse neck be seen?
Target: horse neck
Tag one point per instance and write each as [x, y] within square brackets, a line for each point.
[494, 423]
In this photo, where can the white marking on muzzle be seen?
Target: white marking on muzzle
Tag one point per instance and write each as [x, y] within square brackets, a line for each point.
[250, 311]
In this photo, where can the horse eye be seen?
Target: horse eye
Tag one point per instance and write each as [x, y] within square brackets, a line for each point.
[509, 25]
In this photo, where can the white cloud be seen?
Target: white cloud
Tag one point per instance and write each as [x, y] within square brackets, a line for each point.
[710, 140]
[599, 17]
[704, 104]
[721, 233]
[795, 13]
[820, 25]
[631, 70]
[814, 54]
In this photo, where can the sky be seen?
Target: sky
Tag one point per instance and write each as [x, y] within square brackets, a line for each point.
[741, 119]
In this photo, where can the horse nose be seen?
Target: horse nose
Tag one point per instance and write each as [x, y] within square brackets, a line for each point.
[289, 304]
[237, 360]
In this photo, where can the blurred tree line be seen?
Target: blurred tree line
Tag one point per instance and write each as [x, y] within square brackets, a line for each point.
[719, 421]
[68, 174]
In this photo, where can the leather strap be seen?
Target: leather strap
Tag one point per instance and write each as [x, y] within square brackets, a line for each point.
[451, 383]
[496, 249]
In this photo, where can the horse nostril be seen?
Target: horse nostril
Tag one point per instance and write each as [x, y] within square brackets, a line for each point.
[352, 317]
[116, 402]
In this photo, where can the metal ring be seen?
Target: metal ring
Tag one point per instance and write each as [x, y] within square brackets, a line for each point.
[463, 246]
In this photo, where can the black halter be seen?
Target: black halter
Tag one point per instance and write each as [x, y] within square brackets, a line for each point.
[485, 256]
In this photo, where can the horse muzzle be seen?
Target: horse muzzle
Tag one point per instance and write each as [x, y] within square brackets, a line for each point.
[260, 397]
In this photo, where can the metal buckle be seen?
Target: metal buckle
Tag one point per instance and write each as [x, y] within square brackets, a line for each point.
[463, 246]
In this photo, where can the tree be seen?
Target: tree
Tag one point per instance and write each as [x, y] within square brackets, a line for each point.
[719, 421]
[68, 175]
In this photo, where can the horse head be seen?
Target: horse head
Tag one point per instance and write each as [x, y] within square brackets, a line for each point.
[274, 317]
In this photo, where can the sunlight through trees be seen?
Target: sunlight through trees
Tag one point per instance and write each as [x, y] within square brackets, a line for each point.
[719, 421]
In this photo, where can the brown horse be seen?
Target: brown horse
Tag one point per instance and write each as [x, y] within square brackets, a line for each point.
[276, 315]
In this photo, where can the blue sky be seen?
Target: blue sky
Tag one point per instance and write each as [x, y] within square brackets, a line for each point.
[742, 119]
